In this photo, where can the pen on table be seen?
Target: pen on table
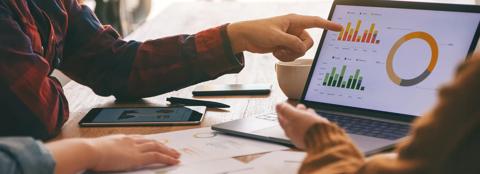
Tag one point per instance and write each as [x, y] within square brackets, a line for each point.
[193, 102]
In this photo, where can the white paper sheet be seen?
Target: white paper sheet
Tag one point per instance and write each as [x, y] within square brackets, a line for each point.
[205, 144]
[280, 162]
[205, 151]
[222, 166]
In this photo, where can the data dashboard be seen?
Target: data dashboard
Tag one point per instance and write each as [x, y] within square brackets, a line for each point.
[390, 59]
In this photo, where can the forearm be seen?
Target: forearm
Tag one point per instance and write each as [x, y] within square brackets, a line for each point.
[132, 70]
[72, 155]
[172, 63]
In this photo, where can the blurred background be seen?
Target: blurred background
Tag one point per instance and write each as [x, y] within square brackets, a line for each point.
[127, 15]
[132, 18]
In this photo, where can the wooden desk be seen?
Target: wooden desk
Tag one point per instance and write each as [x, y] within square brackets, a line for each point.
[191, 18]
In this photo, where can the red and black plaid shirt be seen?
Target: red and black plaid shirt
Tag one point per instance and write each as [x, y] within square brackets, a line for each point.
[38, 36]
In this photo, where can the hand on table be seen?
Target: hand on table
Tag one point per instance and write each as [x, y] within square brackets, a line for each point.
[284, 36]
[120, 152]
[295, 121]
[109, 153]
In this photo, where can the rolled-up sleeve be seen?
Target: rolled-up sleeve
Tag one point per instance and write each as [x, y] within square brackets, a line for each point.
[24, 155]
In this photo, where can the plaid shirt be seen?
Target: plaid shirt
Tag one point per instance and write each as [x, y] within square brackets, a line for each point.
[38, 36]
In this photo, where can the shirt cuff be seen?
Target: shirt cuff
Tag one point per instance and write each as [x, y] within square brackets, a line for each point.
[214, 49]
[29, 155]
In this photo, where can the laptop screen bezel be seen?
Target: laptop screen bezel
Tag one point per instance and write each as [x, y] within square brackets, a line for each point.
[386, 4]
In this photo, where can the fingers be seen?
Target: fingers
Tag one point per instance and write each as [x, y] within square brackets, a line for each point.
[289, 47]
[158, 147]
[312, 22]
[283, 121]
[301, 107]
[284, 124]
[306, 39]
[311, 111]
[287, 110]
[293, 46]
[291, 42]
[286, 55]
[157, 158]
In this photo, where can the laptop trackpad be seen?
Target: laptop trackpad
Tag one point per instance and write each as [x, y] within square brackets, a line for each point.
[274, 132]
[370, 144]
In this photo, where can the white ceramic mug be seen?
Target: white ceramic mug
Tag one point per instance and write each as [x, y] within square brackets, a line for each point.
[292, 76]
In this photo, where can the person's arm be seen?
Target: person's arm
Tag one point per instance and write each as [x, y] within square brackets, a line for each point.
[31, 102]
[96, 56]
[329, 149]
[20, 155]
[24, 155]
[110, 153]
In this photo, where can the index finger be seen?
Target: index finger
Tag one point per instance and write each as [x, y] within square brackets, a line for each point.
[305, 22]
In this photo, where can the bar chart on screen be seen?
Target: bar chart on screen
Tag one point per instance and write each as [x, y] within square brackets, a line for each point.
[338, 79]
[350, 33]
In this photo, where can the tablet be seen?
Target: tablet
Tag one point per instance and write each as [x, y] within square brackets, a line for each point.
[144, 116]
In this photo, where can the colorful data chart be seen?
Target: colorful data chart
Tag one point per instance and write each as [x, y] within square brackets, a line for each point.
[431, 66]
[338, 80]
[349, 34]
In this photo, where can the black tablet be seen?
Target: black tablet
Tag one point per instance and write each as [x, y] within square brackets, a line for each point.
[144, 116]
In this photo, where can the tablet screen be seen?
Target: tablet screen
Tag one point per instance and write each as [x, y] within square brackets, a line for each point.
[113, 115]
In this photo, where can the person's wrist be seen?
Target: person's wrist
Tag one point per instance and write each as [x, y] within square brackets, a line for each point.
[236, 39]
[307, 136]
[320, 136]
[91, 149]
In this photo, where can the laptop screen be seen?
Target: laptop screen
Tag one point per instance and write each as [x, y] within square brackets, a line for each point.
[390, 59]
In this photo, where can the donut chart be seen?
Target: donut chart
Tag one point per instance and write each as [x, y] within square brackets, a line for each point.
[433, 60]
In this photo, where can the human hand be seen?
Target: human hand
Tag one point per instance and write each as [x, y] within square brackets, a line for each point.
[284, 36]
[296, 121]
[126, 152]
[110, 153]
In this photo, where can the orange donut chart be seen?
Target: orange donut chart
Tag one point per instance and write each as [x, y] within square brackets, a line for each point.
[433, 60]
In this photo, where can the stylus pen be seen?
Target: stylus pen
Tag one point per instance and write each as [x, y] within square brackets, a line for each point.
[192, 102]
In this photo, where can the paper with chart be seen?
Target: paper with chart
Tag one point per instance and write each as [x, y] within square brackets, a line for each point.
[279, 162]
[228, 165]
[206, 144]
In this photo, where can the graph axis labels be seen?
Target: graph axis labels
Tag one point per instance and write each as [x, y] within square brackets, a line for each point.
[433, 60]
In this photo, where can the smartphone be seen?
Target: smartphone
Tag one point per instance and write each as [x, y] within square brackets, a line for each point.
[232, 89]
[144, 116]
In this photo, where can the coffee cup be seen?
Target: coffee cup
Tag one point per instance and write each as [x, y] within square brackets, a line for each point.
[292, 76]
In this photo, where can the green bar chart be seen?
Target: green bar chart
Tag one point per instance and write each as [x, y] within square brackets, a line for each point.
[338, 79]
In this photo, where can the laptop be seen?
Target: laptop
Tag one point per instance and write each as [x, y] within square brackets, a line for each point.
[381, 72]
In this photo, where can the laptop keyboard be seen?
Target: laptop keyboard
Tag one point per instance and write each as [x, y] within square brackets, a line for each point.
[360, 126]
[367, 127]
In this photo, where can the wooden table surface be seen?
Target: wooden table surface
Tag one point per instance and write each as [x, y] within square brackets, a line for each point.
[191, 18]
